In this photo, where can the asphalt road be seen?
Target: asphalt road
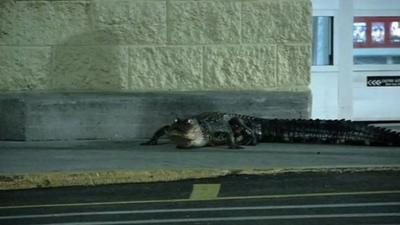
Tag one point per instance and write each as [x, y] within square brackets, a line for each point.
[294, 198]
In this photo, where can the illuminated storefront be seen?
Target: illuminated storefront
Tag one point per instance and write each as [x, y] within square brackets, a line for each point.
[356, 60]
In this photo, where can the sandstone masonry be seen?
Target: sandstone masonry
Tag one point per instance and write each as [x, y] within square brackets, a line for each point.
[148, 45]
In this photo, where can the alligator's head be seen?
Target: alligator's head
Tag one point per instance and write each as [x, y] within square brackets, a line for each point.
[187, 133]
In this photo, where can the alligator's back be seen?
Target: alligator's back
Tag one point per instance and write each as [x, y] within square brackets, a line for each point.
[326, 131]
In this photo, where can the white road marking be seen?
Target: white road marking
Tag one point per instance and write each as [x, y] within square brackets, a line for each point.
[304, 195]
[148, 211]
[242, 218]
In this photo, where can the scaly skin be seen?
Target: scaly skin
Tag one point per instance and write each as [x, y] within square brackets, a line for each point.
[206, 129]
[214, 128]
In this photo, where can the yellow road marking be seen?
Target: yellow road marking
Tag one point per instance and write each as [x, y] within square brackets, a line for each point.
[304, 195]
[205, 191]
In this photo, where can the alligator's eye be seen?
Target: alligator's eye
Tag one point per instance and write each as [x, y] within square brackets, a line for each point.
[189, 121]
[176, 120]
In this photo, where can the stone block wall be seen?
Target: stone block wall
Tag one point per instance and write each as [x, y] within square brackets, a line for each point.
[148, 45]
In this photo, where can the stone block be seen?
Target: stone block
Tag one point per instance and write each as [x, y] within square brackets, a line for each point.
[24, 68]
[165, 68]
[277, 21]
[294, 63]
[146, 45]
[42, 22]
[101, 68]
[203, 22]
[130, 22]
[239, 67]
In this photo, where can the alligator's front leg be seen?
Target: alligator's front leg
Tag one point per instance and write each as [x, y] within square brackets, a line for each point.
[241, 130]
[159, 133]
[224, 137]
[232, 144]
[231, 140]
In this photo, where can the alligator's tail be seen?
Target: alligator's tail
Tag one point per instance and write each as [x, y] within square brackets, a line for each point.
[327, 131]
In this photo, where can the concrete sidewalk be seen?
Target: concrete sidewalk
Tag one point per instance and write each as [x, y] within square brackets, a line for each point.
[49, 164]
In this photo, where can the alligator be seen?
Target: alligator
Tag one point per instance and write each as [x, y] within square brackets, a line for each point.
[236, 130]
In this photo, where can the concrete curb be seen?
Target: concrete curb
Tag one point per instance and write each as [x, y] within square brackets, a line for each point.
[64, 179]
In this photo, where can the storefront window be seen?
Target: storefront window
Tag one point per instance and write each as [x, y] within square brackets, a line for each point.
[322, 40]
[376, 40]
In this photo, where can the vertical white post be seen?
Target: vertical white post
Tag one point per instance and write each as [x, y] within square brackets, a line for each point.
[345, 59]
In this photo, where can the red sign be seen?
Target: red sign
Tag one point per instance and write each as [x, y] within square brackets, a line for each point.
[376, 32]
